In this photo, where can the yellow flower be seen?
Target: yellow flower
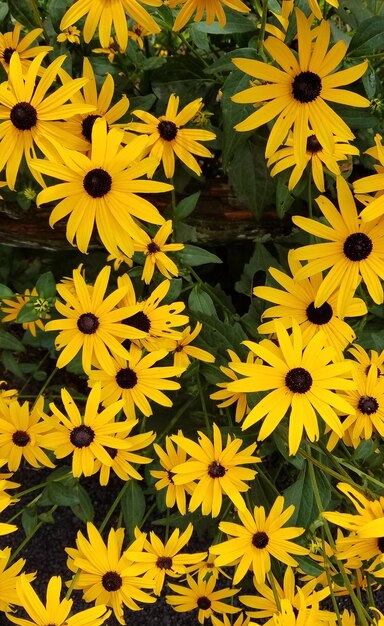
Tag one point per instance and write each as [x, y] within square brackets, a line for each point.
[105, 15]
[374, 182]
[257, 539]
[92, 324]
[297, 93]
[110, 50]
[22, 434]
[8, 580]
[168, 138]
[106, 573]
[158, 559]
[202, 596]
[169, 458]
[118, 260]
[183, 350]
[54, 611]
[71, 34]
[365, 360]
[368, 401]
[14, 307]
[354, 249]
[5, 501]
[87, 437]
[211, 8]
[10, 42]
[31, 117]
[102, 189]
[154, 250]
[217, 469]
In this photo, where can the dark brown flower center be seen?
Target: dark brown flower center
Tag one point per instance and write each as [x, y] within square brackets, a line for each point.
[23, 116]
[215, 470]
[153, 248]
[170, 476]
[179, 348]
[203, 603]
[319, 315]
[82, 436]
[97, 182]
[313, 144]
[368, 405]
[164, 562]
[167, 130]
[140, 321]
[111, 581]
[306, 87]
[298, 380]
[7, 54]
[88, 323]
[126, 378]
[21, 438]
[357, 247]
[380, 544]
[260, 540]
[87, 126]
[111, 451]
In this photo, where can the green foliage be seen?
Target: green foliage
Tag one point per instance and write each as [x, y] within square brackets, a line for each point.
[133, 506]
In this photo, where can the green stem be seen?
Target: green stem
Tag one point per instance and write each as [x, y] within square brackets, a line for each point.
[49, 379]
[113, 506]
[72, 585]
[32, 373]
[20, 494]
[329, 580]
[173, 202]
[27, 539]
[310, 202]
[166, 537]
[148, 513]
[272, 582]
[204, 405]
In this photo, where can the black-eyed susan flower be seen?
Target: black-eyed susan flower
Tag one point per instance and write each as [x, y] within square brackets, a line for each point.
[372, 183]
[168, 138]
[8, 580]
[158, 322]
[366, 526]
[217, 469]
[368, 401]
[201, 595]
[81, 125]
[122, 458]
[111, 50]
[135, 381]
[227, 397]
[106, 572]
[182, 349]
[10, 42]
[105, 15]
[71, 34]
[102, 189]
[303, 380]
[365, 360]
[30, 116]
[296, 94]
[91, 323]
[170, 457]
[54, 611]
[257, 539]
[355, 249]
[207, 568]
[155, 252]
[213, 10]
[22, 433]
[87, 437]
[158, 560]
[118, 260]
[296, 301]
[303, 598]
[315, 155]
[13, 307]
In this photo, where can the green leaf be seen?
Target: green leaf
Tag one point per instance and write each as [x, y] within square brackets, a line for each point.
[29, 520]
[56, 10]
[186, 206]
[370, 82]
[26, 12]
[261, 260]
[46, 286]
[368, 38]
[284, 198]
[83, 509]
[133, 506]
[9, 342]
[300, 494]
[201, 302]
[249, 177]
[356, 117]
[153, 63]
[225, 63]
[233, 113]
[28, 312]
[5, 292]
[63, 493]
[194, 256]
[3, 11]
[235, 23]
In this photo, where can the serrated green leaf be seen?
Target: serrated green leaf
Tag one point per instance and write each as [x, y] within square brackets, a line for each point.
[186, 206]
[133, 506]
[201, 302]
[46, 286]
[26, 12]
[368, 38]
[194, 256]
[9, 342]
